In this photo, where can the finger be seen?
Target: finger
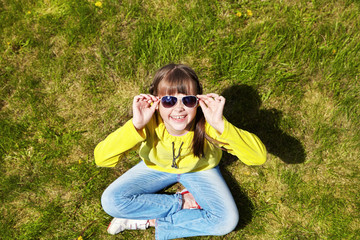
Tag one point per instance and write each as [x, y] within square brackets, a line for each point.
[153, 98]
[203, 97]
[212, 95]
[155, 105]
[222, 99]
[138, 98]
[146, 96]
[217, 98]
[203, 105]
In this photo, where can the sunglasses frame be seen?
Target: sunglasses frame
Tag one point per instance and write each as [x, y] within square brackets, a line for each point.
[177, 98]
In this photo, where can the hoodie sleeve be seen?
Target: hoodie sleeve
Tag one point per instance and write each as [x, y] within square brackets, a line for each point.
[245, 145]
[108, 151]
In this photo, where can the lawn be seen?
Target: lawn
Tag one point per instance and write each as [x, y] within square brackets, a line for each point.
[289, 70]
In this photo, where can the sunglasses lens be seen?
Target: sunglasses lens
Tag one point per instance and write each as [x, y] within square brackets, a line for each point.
[168, 101]
[189, 101]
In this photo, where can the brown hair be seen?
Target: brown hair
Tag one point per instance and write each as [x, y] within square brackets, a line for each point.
[182, 79]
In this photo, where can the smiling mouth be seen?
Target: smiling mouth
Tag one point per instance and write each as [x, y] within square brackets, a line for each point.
[178, 117]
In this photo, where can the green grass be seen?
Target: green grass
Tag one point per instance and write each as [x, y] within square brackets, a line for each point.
[289, 72]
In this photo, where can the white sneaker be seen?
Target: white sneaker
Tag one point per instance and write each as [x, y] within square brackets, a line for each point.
[118, 225]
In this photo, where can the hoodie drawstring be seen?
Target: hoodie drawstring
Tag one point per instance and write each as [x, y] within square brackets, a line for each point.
[178, 155]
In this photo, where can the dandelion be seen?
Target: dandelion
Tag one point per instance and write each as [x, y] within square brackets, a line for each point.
[238, 14]
[249, 13]
[28, 12]
[98, 4]
[80, 238]
[80, 161]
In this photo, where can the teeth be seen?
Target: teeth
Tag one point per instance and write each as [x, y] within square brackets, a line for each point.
[178, 117]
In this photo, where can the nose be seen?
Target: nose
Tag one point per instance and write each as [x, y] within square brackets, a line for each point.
[179, 104]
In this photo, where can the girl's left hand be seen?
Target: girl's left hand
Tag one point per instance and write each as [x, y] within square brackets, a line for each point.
[212, 106]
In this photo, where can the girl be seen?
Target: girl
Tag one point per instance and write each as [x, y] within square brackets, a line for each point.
[179, 142]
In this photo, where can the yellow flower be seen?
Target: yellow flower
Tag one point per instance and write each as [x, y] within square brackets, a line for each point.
[80, 238]
[249, 13]
[98, 4]
[28, 12]
[334, 51]
[247, 173]
[80, 161]
[238, 14]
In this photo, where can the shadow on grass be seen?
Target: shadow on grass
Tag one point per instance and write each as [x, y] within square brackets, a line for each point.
[243, 110]
[243, 203]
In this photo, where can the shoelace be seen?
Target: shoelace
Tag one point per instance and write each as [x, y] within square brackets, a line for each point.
[175, 157]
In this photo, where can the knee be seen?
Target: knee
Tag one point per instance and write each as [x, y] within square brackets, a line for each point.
[231, 222]
[112, 203]
[107, 202]
[226, 223]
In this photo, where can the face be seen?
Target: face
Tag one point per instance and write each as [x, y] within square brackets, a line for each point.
[179, 118]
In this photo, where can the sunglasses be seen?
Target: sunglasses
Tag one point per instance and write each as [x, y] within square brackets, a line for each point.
[189, 101]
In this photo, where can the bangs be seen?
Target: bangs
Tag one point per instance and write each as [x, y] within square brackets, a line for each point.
[184, 86]
[177, 81]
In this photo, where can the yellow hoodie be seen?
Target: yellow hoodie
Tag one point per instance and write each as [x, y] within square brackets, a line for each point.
[158, 148]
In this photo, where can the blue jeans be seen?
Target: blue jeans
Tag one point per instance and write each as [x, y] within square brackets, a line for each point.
[133, 196]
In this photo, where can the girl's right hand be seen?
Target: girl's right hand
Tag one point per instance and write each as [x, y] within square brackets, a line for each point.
[144, 106]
